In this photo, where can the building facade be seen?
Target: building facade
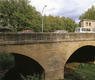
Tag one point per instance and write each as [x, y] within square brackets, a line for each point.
[88, 23]
[87, 26]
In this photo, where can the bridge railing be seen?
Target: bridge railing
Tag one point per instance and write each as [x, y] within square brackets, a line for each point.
[46, 36]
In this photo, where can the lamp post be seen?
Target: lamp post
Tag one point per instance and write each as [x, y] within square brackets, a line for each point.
[43, 17]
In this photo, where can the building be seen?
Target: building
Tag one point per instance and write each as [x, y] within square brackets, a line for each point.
[87, 26]
[88, 23]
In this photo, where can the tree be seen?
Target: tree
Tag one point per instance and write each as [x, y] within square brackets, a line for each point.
[20, 15]
[89, 14]
[70, 24]
[56, 23]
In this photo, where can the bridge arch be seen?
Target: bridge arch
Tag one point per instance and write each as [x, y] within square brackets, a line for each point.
[73, 47]
[24, 65]
[30, 51]
[83, 54]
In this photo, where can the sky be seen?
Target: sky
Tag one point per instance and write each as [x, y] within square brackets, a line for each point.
[67, 8]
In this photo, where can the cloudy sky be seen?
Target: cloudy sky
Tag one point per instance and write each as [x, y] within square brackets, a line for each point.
[67, 8]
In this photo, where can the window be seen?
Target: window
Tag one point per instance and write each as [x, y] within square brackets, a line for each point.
[86, 23]
[89, 24]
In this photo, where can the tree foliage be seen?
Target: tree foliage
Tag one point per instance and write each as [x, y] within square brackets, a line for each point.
[89, 14]
[19, 15]
[56, 23]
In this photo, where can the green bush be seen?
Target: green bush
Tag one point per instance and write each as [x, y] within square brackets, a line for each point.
[32, 77]
[84, 71]
[6, 61]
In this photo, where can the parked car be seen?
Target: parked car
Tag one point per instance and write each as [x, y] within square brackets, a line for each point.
[60, 31]
[27, 31]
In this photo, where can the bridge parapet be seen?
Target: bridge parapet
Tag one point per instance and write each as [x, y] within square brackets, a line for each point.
[53, 56]
[44, 37]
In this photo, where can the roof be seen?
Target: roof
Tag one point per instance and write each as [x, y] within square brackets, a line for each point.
[88, 20]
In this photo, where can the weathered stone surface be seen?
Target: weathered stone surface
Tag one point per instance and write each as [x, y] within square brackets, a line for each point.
[51, 54]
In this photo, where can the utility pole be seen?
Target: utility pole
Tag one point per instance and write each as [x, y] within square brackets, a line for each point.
[43, 18]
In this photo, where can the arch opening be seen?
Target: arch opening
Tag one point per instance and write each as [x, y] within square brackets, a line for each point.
[25, 66]
[83, 54]
[77, 65]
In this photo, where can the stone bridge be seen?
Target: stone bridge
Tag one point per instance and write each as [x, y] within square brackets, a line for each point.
[48, 52]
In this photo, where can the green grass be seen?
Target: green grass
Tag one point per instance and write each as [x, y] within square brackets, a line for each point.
[83, 71]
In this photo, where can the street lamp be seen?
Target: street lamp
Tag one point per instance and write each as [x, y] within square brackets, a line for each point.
[43, 17]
